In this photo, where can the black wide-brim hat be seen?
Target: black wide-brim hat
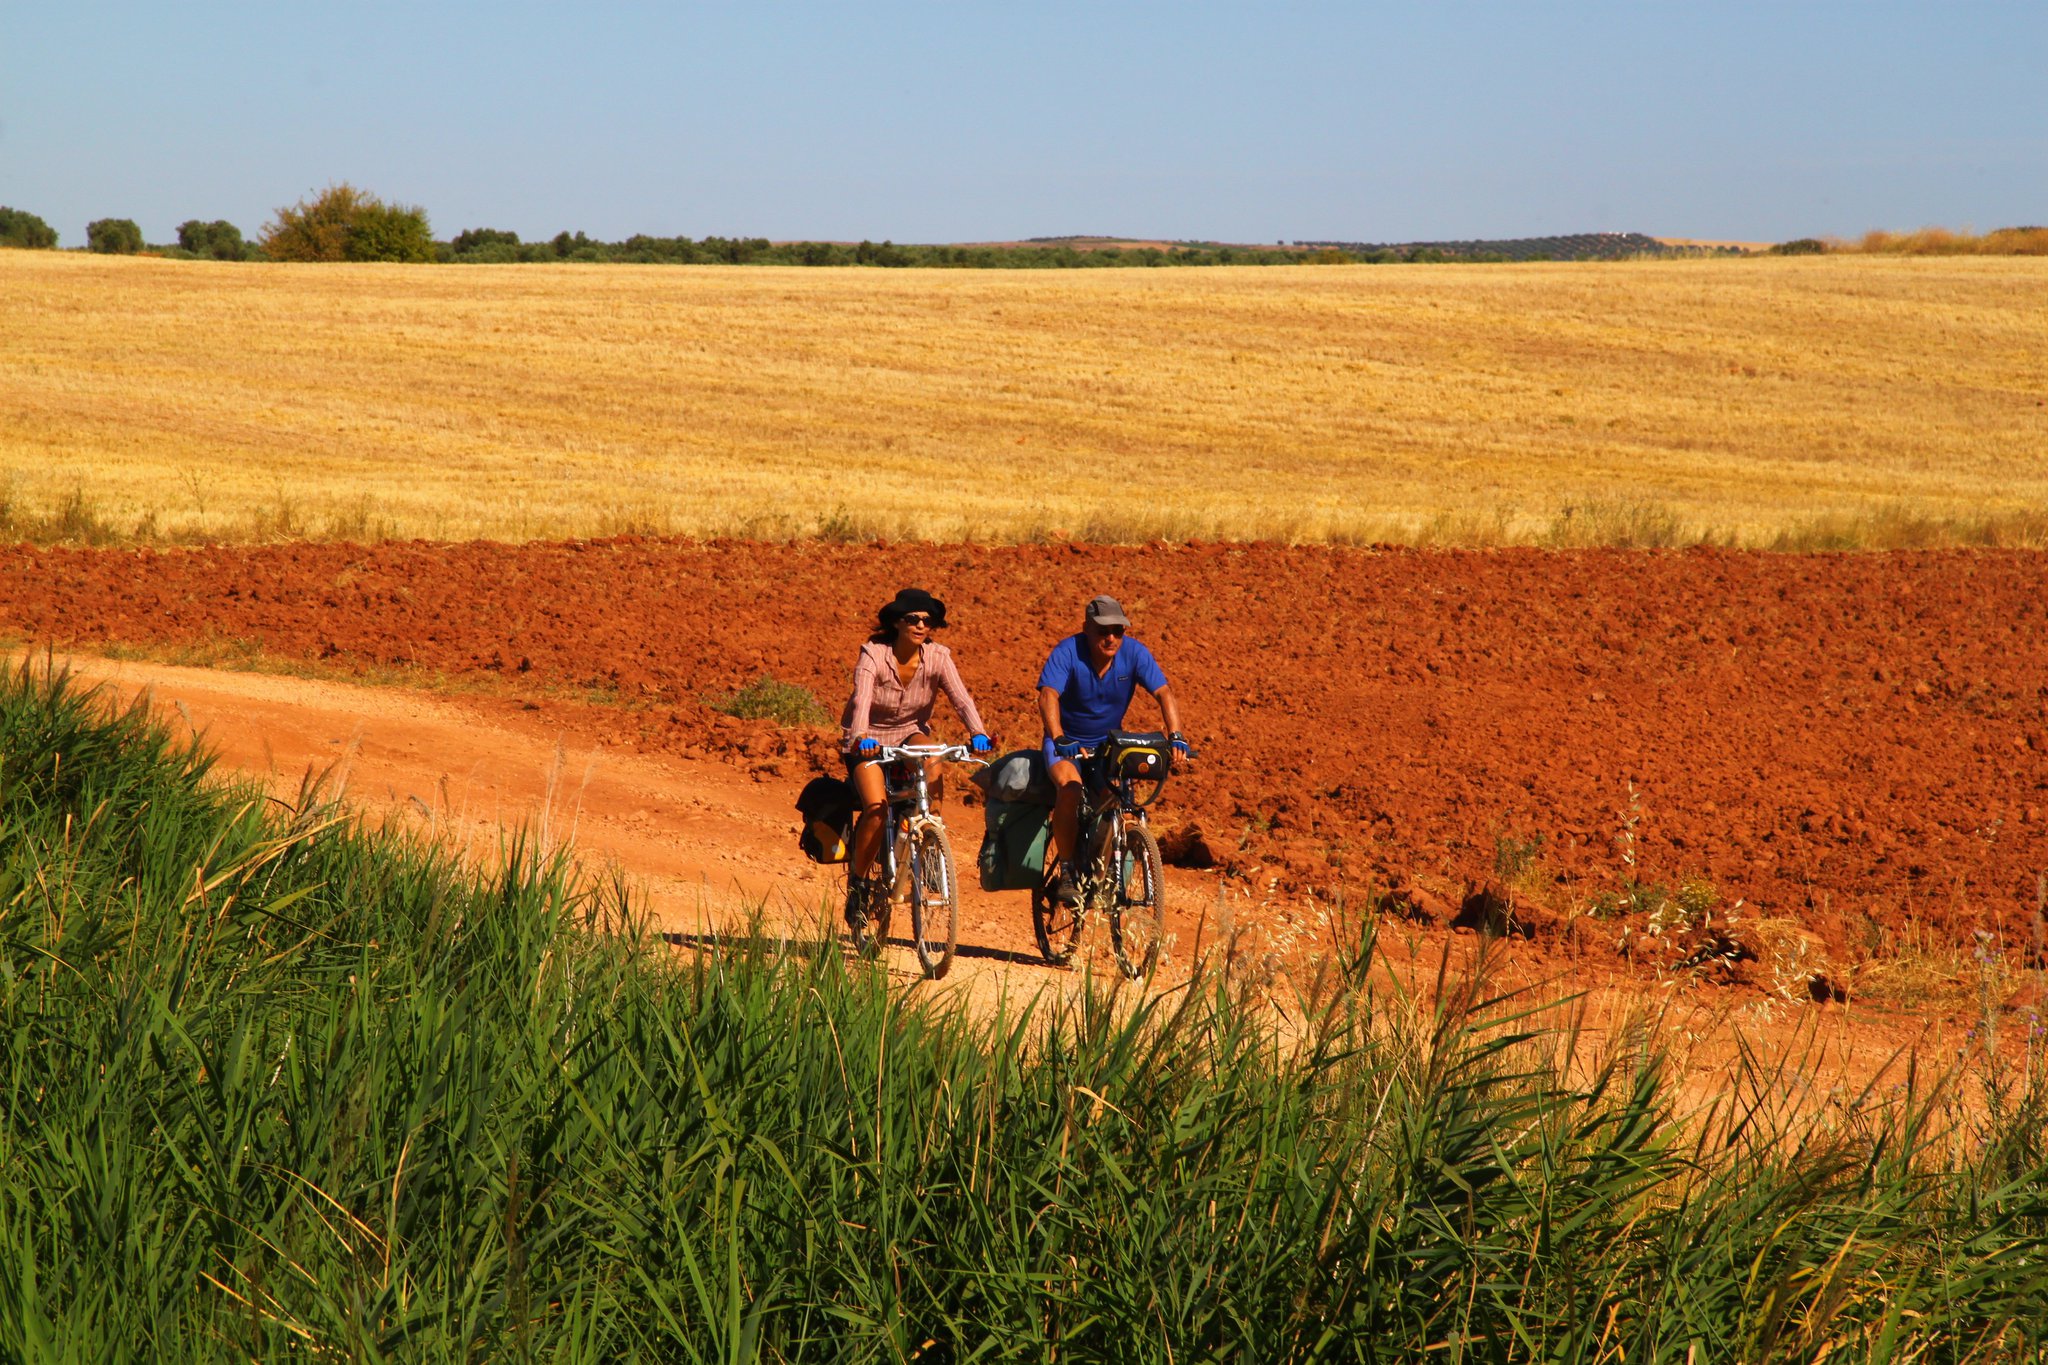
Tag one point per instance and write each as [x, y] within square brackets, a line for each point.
[910, 600]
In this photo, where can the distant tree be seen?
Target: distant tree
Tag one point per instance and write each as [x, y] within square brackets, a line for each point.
[113, 236]
[218, 240]
[343, 223]
[474, 239]
[390, 232]
[19, 227]
[1802, 246]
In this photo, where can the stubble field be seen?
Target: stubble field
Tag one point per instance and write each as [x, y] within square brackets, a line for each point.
[1789, 401]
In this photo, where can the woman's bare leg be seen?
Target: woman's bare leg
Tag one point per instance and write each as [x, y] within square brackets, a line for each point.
[867, 831]
[934, 773]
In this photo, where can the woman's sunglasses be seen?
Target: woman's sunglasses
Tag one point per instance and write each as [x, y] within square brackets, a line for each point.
[915, 618]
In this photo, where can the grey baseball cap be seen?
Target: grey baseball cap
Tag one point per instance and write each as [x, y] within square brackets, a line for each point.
[1106, 611]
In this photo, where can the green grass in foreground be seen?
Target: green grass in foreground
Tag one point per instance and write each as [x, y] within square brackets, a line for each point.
[280, 1087]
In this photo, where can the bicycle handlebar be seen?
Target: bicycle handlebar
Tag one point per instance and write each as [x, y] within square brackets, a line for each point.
[952, 753]
[1090, 750]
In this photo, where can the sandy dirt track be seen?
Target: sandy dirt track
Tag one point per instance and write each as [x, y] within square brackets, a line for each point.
[1848, 740]
[705, 843]
[706, 847]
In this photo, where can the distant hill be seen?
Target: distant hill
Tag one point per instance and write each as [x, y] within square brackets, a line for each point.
[1578, 246]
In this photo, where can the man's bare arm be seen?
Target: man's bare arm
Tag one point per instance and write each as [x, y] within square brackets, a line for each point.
[1049, 711]
[1168, 708]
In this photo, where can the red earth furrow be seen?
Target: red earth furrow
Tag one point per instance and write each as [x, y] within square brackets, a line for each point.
[1841, 739]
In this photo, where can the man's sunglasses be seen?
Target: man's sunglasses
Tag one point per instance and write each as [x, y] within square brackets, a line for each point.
[1117, 631]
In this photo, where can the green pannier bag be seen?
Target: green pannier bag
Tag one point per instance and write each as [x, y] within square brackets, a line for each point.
[1013, 849]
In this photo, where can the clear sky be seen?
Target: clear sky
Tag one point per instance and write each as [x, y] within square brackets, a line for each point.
[967, 122]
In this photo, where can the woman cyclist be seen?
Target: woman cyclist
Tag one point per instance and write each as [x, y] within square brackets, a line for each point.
[896, 681]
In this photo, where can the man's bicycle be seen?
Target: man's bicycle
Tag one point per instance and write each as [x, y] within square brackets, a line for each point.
[916, 862]
[1117, 859]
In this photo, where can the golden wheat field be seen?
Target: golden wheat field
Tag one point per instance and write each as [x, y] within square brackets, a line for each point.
[1762, 401]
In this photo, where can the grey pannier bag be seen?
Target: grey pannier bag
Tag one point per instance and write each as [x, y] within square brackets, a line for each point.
[1019, 778]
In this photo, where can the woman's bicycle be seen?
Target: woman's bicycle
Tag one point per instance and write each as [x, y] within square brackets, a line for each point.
[915, 864]
[1117, 859]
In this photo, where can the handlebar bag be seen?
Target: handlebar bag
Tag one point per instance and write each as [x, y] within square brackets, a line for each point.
[827, 805]
[1014, 845]
[1145, 757]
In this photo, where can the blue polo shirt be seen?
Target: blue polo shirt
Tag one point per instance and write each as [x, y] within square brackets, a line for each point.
[1091, 706]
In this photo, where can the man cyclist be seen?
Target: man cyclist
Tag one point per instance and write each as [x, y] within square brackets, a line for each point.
[1084, 690]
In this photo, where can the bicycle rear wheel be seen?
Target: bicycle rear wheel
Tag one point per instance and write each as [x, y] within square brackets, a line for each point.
[1137, 919]
[1058, 927]
[934, 899]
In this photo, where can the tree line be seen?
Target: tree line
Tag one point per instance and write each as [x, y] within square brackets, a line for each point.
[345, 223]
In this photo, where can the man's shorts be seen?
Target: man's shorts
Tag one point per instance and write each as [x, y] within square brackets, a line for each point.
[1052, 757]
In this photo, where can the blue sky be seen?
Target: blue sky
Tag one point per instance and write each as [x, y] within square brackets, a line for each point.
[964, 122]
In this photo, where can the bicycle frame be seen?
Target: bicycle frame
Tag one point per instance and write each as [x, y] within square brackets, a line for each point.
[1104, 809]
[908, 804]
[1108, 795]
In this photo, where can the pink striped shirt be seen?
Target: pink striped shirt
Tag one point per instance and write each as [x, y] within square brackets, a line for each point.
[892, 710]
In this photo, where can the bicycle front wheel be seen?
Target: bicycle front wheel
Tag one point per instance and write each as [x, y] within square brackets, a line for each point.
[1137, 918]
[867, 914]
[934, 899]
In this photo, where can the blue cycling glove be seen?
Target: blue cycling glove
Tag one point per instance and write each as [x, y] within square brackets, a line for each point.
[1066, 748]
[1180, 744]
[979, 744]
[868, 746]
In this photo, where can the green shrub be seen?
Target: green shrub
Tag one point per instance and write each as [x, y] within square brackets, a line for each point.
[218, 240]
[1802, 246]
[343, 223]
[113, 236]
[767, 699]
[19, 227]
[390, 232]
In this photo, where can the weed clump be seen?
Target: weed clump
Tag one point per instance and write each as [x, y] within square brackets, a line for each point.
[767, 698]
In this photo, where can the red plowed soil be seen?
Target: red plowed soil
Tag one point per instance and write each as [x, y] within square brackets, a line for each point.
[1840, 740]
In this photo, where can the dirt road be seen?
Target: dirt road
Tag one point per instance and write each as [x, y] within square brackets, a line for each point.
[707, 844]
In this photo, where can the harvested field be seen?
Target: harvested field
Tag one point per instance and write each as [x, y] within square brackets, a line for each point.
[1852, 746]
[1820, 400]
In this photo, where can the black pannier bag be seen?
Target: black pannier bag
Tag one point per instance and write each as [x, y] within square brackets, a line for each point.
[827, 805]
